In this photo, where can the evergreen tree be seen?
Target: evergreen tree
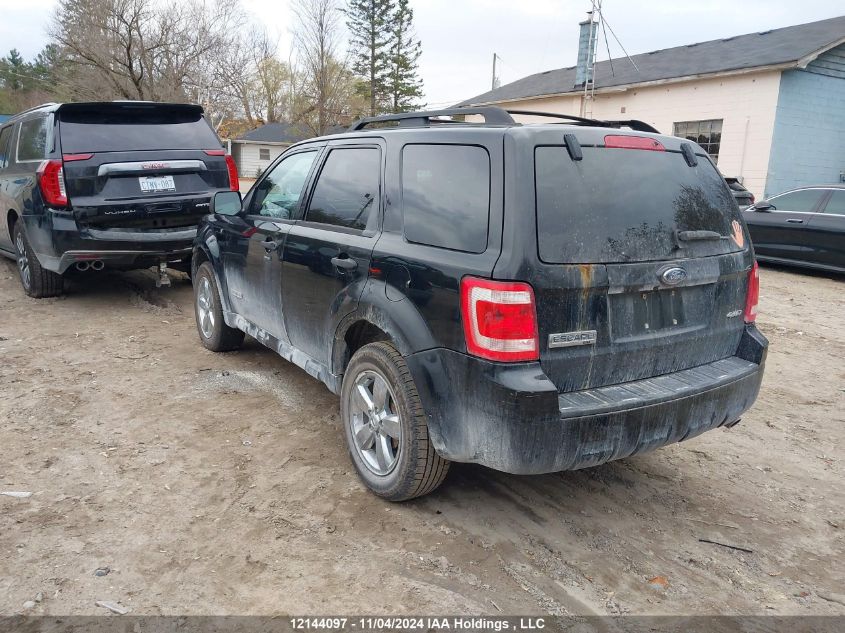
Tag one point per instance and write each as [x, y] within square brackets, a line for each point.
[371, 34]
[405, 51]
[13, 71]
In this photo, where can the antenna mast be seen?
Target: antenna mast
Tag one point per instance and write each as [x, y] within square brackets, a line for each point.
[590, 83]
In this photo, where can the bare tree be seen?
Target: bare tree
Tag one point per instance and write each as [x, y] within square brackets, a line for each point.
[325, 75]
[141, 49]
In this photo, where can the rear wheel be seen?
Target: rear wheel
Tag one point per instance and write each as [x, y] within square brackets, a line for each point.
[37, 282]
[214, 333]
[386, 427]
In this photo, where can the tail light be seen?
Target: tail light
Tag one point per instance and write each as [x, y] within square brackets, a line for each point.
[500, 320]
[51, 181]
[753, 296]
[72, 158]
[234, 183]
[620, 141]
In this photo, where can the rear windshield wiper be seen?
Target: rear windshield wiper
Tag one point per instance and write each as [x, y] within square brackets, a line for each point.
[696, 236]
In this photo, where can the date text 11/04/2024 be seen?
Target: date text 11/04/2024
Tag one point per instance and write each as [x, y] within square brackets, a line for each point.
[431, 623]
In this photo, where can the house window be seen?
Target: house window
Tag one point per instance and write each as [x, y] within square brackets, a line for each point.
[263, 153]
[708, 134]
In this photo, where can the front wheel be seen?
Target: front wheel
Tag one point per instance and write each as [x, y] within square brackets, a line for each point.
[214, 333]
[37, 282]
[386, 428]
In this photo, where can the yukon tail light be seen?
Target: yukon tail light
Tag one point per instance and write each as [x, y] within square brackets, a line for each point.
[500, 319]
[51, 181]
[234, 185]
[753, 296]
[620, 141]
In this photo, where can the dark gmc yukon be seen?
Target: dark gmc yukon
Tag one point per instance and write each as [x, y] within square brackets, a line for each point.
[119, 184]
[533, 298]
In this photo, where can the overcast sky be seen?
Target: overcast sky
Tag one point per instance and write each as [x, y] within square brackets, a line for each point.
[460, 36]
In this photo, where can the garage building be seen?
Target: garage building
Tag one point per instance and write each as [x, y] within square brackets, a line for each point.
[769, 107]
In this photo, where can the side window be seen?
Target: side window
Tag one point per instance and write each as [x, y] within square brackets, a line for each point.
[804, 200]
[277, 196]
[836, 204]
[5, 135]
[446, 196]
[347, 190]
[32, 140]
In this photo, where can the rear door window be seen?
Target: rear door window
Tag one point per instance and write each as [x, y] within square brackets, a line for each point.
[32, 140]
[623, 205]
[347, 190]
[5, 136]
[803, 201]
[118, 129]
[446, 196]
[836, 204]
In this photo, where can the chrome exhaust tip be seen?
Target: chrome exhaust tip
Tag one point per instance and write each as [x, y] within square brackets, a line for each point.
[82, 266]
[97, 264]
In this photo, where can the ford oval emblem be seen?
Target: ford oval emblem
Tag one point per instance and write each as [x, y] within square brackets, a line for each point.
[673, 276]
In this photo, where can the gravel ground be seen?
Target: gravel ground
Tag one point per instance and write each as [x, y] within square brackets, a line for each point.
[200, 483]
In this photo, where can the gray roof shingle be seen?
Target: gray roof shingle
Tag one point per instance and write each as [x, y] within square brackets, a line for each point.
[767, 48]
[277, 133]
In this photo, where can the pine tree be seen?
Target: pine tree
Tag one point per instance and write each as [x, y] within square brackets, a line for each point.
[405, 51]
[370, 28]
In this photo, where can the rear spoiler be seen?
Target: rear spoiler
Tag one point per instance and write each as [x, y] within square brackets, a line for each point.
[129, 106]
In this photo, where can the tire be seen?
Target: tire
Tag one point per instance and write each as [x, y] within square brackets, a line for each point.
[37, 282]
[408, 466]
[214, 333]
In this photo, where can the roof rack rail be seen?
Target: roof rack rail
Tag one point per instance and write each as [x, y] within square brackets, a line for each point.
[492, 116]
[638, 126]
[33, 109]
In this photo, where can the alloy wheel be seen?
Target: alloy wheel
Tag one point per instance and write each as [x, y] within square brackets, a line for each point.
[23, 260]
[373, 416]
[205, 305]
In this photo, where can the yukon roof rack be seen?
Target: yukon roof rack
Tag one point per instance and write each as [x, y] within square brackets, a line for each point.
[44, 106]
[492, 116]
[634, 124]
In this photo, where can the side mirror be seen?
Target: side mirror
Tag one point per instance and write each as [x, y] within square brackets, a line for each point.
[226, 203]
[762, 206]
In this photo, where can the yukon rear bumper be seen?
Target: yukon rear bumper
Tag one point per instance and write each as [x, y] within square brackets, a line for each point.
[59, 243]
[511, 417]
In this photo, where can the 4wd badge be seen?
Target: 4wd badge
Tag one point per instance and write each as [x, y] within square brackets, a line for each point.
[570, 339]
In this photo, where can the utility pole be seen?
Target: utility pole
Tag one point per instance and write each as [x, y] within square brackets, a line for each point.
[495, 83]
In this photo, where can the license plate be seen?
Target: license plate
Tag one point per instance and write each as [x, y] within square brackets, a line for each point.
[155, 184]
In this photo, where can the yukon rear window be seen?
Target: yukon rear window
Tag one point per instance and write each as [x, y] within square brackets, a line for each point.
[623, 205]
[446, 196]
[139, 128]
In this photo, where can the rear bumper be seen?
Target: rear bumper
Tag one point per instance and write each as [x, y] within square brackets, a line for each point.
[511, 417]
[59, 242]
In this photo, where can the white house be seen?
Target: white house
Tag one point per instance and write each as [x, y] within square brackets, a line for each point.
[769, 107]
[254, 151]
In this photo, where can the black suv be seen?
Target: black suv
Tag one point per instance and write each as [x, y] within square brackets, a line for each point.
[119, 184]
[533, 298]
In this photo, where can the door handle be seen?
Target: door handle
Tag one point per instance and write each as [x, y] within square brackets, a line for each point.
[346, 263]
[795, 221]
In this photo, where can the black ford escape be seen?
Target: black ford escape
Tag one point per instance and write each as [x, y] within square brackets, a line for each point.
[533, 298]
[120, 184]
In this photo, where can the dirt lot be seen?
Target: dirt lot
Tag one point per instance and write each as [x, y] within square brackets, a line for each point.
[220, 484]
